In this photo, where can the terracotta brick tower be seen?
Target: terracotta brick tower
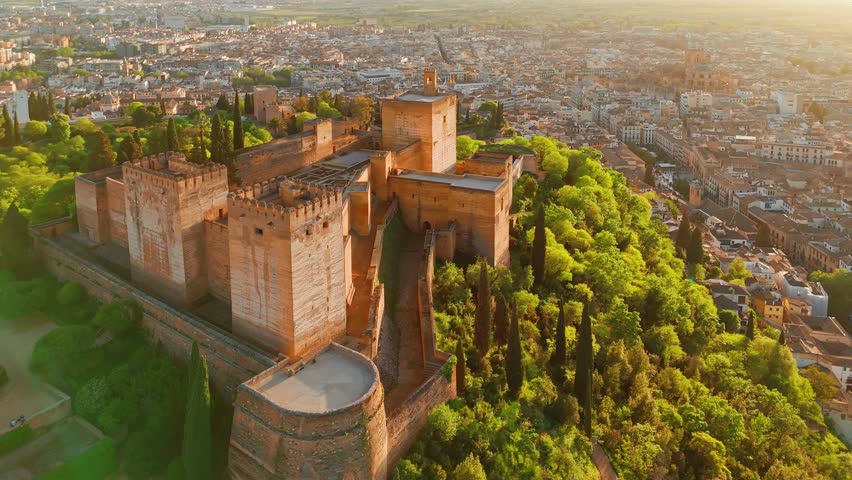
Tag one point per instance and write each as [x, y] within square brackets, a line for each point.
[167, 200]
[286, 246]
[427, 119]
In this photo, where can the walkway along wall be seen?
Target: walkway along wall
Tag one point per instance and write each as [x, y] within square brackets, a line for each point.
[406, 422]
[230, 362]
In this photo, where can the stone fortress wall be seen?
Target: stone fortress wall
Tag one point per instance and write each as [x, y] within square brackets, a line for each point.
[279, 254]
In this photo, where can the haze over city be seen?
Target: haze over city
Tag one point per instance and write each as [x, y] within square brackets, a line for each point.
[480, 240]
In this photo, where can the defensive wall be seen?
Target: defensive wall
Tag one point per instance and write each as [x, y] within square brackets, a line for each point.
[283, 431]
[320, 139]
[407, 420]
[230, 361]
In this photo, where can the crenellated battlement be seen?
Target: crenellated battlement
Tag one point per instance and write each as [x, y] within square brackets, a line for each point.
[295, 201]
[171, 169]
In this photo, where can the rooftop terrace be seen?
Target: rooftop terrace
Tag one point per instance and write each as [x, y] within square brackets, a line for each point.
[331, 381]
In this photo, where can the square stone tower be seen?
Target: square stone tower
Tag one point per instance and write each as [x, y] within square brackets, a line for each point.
[427, 117]
[286, 246]
[167, 200]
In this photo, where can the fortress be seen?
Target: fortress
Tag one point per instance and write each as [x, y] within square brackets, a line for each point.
[277, 279]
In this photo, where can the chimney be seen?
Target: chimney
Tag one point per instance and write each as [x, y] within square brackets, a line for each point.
[430, 82]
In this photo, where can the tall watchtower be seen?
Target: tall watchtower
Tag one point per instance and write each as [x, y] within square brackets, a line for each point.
[167, 200]
[695, 194]
[286, 246]
[420, 127]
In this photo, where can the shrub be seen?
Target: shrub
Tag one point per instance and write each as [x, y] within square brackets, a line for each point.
[92, 398]
[119, 317]
[94, 464]
[13, 439]
[70, 294]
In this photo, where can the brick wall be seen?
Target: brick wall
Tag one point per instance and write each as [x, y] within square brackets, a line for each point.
[218, 262]
[406, 422]
[230, 361]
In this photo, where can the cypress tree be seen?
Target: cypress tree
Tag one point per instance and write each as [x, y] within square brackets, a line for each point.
[31, 106]
[172, 141]
[501, 323]
[216, 139]
[14, 240]
[101, 154]
[585, 362]
[543, 330]
[199, 153]
[51, 104]
[67, 109]
[695, 249]
[764, 238]
[239, 137]
[249, 104]
[17, 128]
[8, 129]
[129, 150]
[222, 103]
[482, 325]
[313, 104]
[539, 248]
[196, 429]
[781, 339]
[460, 366]
[514, 366]
[557, 360]
[683, 232]
[750, 326]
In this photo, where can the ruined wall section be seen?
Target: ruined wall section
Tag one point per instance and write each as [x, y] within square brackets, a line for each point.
[167, 200]
[287, 268]
[92, 202]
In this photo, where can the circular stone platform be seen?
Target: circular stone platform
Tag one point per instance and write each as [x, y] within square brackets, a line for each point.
[332, 381]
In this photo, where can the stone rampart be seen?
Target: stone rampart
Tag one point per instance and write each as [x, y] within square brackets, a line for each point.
[406, 422]
[230, 361]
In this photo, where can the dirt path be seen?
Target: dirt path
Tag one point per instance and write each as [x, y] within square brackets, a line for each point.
[24, 394]
[412, 372]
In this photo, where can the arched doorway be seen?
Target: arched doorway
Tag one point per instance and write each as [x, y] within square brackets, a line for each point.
[427, 226]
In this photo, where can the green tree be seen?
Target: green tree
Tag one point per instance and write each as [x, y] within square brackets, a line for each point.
[482, 324]
[460, 366]
[67, 108]
[695, 249]
[683, 232]
[239, 137]
[101, 155]
[118, 317]
[196, 452]
[129, 150]
[466, 147]
[750, 326]
[559, 356]
[248, 104]
[222, 103]
[501, 322]
[217, 137]
[362, 109]
[824, 384]
[584, 367]
[34, 130]
[837, 285]
[539, 248]
[58, 129]
[469, 469]
[737, 272]
[301, 118]
[172, 138]
[514, 367]
[15, 240]
[7, 132]
[17, 127]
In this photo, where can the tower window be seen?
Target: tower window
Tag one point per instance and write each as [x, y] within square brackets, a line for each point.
[258, 231]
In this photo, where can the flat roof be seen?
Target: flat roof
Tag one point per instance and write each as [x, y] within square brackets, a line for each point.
[473, 182]
[350, 159]
[419, 97]
[332, 381]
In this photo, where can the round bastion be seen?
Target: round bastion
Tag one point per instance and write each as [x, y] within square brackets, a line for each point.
[323, 418]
